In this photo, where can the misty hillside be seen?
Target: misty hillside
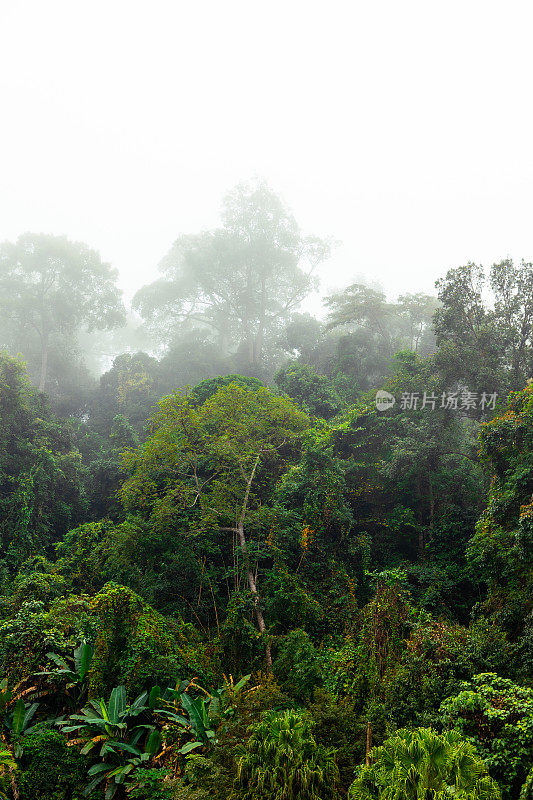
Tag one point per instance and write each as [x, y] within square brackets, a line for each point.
[314, 527]
[266, 402]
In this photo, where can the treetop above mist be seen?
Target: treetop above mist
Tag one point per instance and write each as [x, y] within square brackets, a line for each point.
[50, 288]
[241, 281]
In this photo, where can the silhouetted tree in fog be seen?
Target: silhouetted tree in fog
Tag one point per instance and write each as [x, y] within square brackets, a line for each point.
[240, 281]
[51, 289]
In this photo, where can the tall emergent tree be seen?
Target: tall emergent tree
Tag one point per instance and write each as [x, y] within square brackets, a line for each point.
[489, 346]
[366, 330]
[41, 493]
[50, 290]
[240, 281]
[211, 466]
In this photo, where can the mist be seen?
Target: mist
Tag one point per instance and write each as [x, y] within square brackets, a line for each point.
[401, 132]
[266, 400]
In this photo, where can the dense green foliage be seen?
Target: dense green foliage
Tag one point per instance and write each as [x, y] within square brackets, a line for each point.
[282, 761]
[497, 717]
[412, 765]
[226, 570]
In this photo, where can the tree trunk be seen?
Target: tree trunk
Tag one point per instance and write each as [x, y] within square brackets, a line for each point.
[44, 361]
[253, 588]
[223, 339]
[368, 742]
[431, 507]
[421, 521]
[248, 567]
[518, 355]
[259, 341]
[12, 781]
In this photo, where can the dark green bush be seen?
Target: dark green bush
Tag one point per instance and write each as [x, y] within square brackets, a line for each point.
[49, 770]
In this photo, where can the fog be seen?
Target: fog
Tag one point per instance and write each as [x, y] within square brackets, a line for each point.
[402, 130]
[266, 400]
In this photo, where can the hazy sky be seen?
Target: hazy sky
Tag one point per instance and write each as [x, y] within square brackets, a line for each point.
[402, 129]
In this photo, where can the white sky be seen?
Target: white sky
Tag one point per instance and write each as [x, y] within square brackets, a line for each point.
[402, 128]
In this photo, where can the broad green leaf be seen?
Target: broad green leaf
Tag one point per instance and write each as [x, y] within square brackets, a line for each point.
[155, 694]
[153, 743]
[29, 715]
[188, 747]
[18, 716]
[117, 703]
[97, 768]
[127, 748]
[92, 785]
[243, 681]
[194, 712]
[83, 656]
